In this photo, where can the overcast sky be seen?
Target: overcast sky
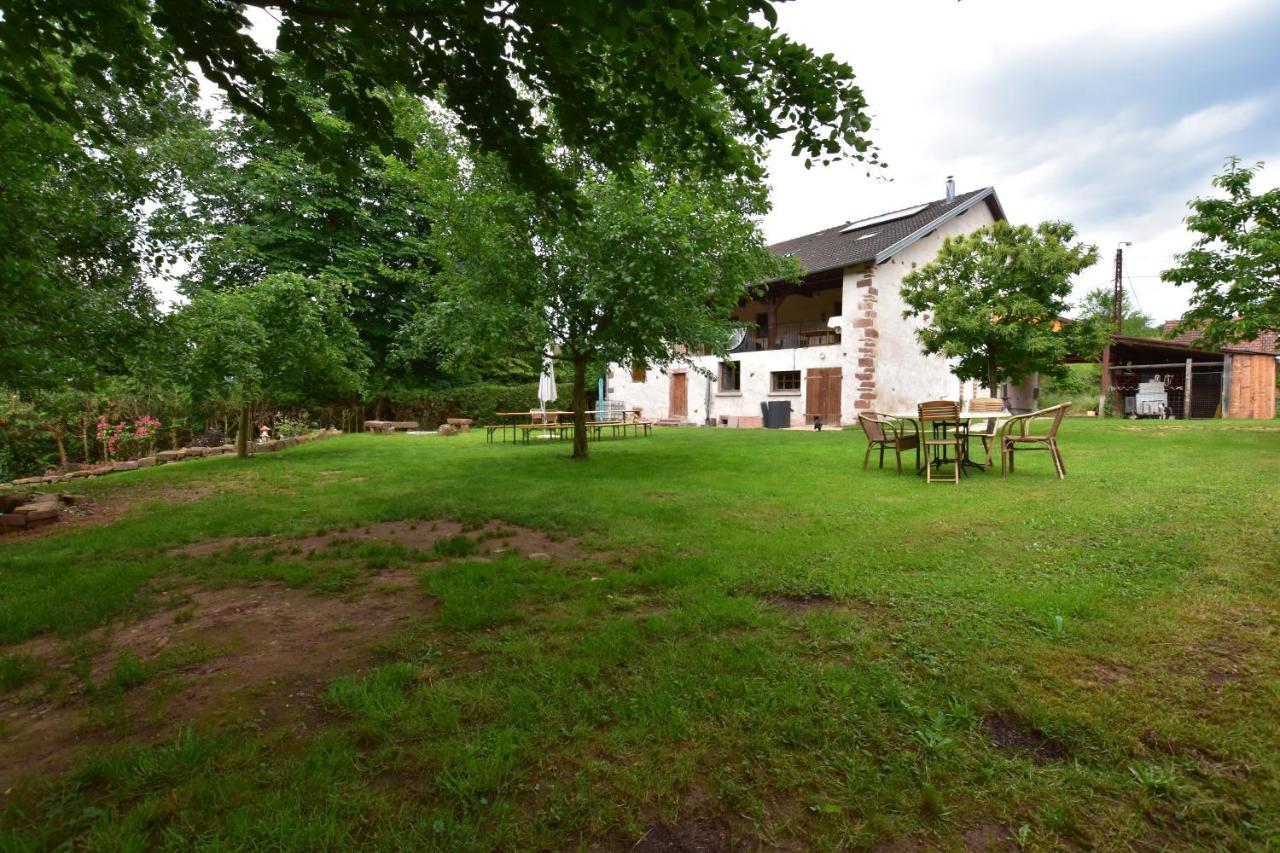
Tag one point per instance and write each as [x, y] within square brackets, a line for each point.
[1110, 114]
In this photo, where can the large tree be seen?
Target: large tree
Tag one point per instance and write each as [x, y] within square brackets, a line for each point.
[256, 206]
[284, 341]
[1234, 265]
[649, 273]
[1096, 306]
[74, 300]
[994, 300]
[620, 76]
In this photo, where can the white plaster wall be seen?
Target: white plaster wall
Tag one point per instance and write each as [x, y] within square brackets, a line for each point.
[904, 375]
[654, 394]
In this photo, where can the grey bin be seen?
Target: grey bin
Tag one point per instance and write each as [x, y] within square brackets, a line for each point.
[776, 414]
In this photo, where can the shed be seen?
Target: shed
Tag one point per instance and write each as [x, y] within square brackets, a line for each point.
[1154, 377]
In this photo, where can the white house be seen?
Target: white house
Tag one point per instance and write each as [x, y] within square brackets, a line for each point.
[833, 345]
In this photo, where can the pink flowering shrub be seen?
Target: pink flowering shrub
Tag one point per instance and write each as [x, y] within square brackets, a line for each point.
[124, 439]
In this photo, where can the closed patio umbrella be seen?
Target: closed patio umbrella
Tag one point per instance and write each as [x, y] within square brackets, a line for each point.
[546, 384]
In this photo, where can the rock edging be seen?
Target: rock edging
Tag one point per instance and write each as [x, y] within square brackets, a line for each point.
[166, 457]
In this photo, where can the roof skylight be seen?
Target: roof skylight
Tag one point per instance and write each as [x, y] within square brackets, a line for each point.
[884, 217]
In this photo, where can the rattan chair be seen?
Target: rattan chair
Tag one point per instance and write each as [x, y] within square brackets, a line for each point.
[885, 432]
[1014, 438]
[936, 418]
[989, 431]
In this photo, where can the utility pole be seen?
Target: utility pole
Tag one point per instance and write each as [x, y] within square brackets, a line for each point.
[1117, 324]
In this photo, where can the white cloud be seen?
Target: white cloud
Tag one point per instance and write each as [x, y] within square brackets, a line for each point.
[1110, 115]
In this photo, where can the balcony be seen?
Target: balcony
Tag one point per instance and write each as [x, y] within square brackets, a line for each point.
[808, 333]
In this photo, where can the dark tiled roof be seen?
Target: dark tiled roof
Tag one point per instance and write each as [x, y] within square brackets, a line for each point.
[832, 249]
[1264, 343]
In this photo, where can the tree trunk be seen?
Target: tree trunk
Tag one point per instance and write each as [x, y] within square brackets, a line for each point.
[62, 451]
[993, 379]
[580, 408]
[242, 434]
[84, 438]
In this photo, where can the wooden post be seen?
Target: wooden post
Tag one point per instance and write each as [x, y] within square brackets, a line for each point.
[772, 308]
[1106, 379]
[1186, 394]
[1224, 403]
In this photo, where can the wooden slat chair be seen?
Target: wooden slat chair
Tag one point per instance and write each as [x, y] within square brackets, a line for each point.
[988, 432]
[885, 432]
[1014, 438]
[936, 417]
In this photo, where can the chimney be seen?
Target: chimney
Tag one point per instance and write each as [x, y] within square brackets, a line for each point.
[951, 188]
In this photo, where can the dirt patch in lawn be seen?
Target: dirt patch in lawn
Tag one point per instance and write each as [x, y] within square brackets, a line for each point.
[988, 835]
[98, 511]
[255, 656]
[801, 602]
[493, 538]
[692, 835]
[1012, 736]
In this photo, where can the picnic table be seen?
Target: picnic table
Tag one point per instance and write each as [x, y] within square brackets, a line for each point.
[965, 417]
[552, 427]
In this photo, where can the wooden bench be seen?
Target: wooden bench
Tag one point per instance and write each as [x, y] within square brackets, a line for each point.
[389, 426]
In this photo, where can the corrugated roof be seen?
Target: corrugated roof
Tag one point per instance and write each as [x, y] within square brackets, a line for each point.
[833, 248]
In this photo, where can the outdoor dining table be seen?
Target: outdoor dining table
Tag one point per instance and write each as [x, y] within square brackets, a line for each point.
[963, 417]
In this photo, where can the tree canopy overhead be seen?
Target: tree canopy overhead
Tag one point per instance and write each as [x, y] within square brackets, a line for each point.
[993, 300]
[710, 79]
[1234, 265]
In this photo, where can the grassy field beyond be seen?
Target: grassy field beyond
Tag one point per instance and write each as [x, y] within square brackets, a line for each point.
[708, 637]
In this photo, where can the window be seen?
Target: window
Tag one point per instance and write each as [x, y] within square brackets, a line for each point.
[730, 376]
[784, 380]
[637, 372]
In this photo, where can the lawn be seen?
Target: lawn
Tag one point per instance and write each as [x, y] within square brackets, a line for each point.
[708, 638]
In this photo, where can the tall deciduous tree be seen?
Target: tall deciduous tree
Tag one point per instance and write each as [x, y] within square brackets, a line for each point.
[284, 340]
[1234, 265]
[993, 301]
[648, 273]
[621, 76]
[1096, 306]
[255, 206]
[77, 251]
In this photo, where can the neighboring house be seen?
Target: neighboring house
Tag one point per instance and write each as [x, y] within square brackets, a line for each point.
[835, 344]
[1177, 377]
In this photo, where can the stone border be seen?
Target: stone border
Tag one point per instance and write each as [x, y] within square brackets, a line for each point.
[165, 457]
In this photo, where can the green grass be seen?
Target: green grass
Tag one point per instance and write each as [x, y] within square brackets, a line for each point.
[762, 634]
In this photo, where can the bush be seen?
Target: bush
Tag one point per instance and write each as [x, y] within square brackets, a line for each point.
[432, 407]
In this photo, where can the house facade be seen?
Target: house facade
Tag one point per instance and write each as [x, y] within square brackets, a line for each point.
[835, 344]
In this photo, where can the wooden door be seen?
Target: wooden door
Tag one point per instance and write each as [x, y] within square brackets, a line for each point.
[679, 407]
[822, 394]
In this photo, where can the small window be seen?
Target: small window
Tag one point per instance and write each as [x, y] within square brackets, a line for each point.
[784, 380]
[730, 376]
[637, 372]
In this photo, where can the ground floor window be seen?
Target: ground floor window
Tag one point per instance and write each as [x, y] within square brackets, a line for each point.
[730, 376]
[784, 380]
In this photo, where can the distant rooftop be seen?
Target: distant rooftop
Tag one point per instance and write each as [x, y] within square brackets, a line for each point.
[878, 238]
[1264, 343]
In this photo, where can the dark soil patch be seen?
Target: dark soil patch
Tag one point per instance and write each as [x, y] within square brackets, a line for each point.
[267, 652]
[493, 538]
[988, 835]
[805, 601]
[693, 835]
[1014, 737]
